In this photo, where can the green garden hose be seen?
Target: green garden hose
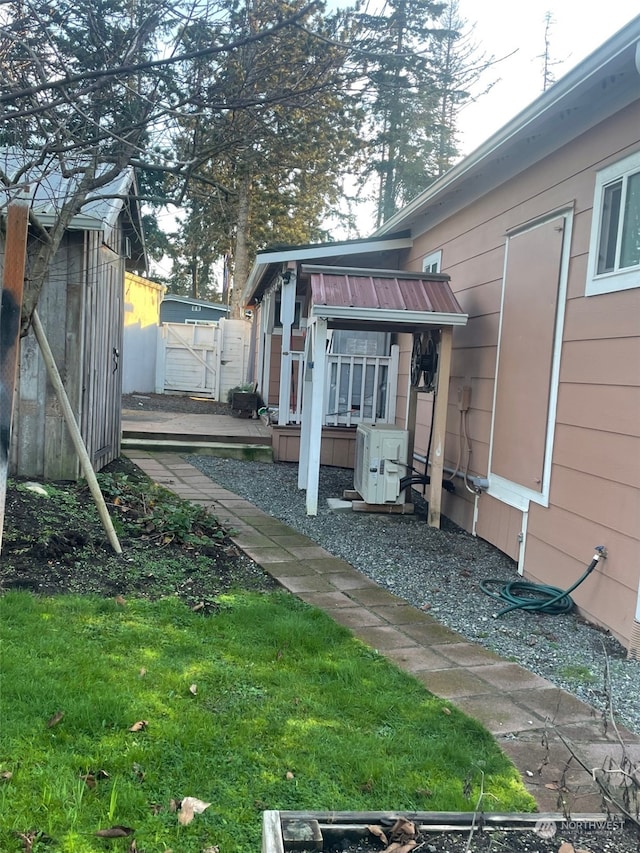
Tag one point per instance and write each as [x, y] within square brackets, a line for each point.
[538, 598]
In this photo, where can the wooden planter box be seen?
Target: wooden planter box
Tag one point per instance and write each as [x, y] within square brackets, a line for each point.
[244, 404]
[287, 831]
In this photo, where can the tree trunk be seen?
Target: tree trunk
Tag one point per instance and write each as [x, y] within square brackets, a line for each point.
[241, 253]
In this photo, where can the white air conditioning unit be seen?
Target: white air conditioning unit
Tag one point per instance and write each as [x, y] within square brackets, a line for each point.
[381, 462]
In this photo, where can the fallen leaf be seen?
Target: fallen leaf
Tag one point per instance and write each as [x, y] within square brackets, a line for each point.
[554, 786]
[115, 832]
[378, 832]
[446, 711]
[29, 837]
[120, 599]
[198, 606]
[193, 689]
[213, 849]
[189, 807]
[92, 778]
[289, 775]
[6, 775]
[53, 721]
[139, 726]
[403, 826]
[142, 672]
[408, 846]
[566, 847]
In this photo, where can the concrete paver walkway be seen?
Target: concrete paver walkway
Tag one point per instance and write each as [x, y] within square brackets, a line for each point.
[523, 711]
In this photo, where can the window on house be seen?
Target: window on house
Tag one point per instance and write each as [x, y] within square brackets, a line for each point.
[614, 251]
[196, 307]
[432, 262]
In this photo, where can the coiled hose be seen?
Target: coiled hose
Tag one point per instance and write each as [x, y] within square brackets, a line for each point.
[538, 598]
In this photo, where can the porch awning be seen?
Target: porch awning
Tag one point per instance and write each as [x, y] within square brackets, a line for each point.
[355, 297]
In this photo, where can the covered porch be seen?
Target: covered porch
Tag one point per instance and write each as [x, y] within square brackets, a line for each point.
[335, 361]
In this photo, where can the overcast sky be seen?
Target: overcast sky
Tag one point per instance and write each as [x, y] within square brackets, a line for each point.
[505, 26]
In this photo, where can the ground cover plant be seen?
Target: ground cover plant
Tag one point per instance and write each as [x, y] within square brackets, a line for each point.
[177, 675]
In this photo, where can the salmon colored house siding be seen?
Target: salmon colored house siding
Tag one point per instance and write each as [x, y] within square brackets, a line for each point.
[594, 490]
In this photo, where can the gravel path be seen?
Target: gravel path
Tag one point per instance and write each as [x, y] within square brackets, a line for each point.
[440, 571]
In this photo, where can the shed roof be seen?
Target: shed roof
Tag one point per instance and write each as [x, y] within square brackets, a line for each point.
[188, 300]
[48, 189]
[382, 297]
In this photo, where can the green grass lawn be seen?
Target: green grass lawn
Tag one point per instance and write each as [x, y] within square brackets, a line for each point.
[262, 704]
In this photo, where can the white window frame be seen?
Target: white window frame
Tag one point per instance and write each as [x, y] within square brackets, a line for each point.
[616, 279]
[432, 260]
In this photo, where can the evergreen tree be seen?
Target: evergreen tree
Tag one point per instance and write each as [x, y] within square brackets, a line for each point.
[88, 86]
[275, 165]
[400, 96]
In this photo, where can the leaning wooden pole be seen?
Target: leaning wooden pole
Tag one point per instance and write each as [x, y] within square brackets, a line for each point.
[67, 411]
[10, 310]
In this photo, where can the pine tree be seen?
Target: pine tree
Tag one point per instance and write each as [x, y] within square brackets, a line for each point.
[400, 95]
[275, 167]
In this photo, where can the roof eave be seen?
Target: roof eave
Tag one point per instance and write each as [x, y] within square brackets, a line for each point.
[309, 253]
[395, 317]
[79, 222]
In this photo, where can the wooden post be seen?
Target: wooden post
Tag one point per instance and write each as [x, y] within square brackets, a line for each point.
[440, 427]
[67, 411]
[10, 310]
[317, 413]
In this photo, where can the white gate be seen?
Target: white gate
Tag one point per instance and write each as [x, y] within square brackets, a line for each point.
[204, 360]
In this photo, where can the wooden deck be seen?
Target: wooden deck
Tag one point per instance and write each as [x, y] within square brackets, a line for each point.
[176, 425]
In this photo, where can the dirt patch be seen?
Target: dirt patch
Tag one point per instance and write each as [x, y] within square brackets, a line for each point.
[616, 840]
[479, 834]
[54, 543]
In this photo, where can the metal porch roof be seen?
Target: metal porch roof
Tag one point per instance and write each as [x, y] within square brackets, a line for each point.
[383, 297]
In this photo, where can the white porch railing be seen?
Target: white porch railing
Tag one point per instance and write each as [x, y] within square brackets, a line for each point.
[359, 388]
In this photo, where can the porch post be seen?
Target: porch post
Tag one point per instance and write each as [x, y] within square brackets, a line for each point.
[317, 413]
[440, 427]
[264, 358]
[392, 384]
[305, 426]
[287, 313]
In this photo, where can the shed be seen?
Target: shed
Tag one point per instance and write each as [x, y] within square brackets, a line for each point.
[184, 309]
[81, 310]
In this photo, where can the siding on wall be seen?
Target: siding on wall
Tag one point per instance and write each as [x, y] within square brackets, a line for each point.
[140, 337]
[595, 478]
[81, 311]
